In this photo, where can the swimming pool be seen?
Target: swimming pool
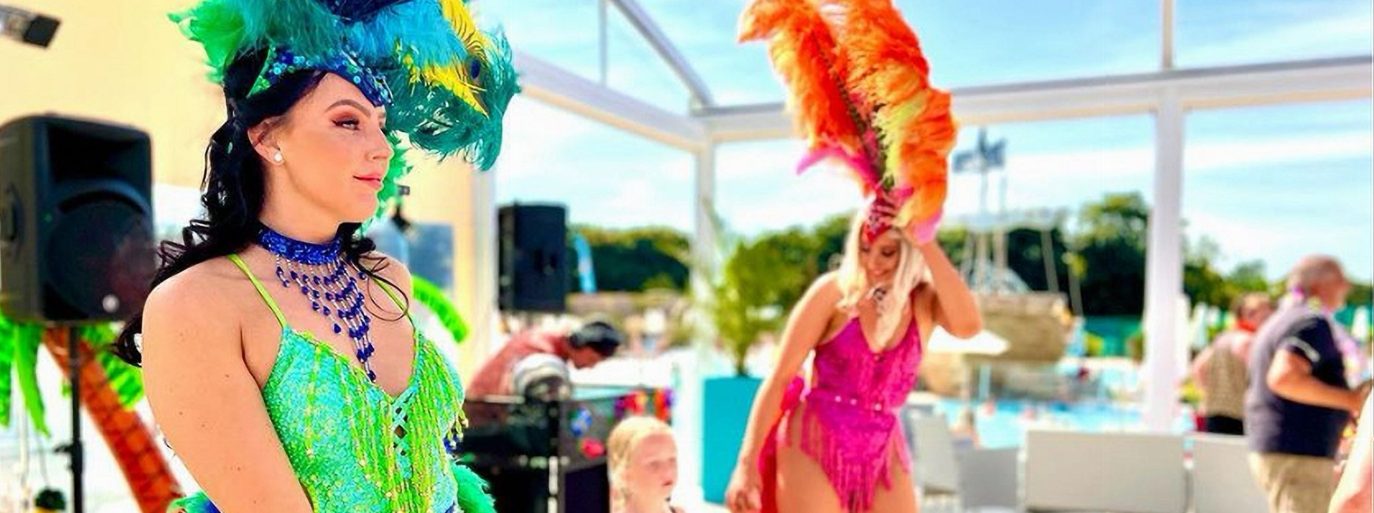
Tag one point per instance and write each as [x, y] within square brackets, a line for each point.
[1004, 424]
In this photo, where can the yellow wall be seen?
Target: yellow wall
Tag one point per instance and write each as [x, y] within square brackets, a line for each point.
[122, 61]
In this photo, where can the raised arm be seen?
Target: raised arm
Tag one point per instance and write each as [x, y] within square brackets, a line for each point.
[208, 404]
[955, 309]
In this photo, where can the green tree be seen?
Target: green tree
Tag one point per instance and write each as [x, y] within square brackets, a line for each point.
[1025, 257]
[794, 251]
[829, 237]
[1110, 249]
[758, 283]
[1202, 282]
[1249, 276]
[636, 259]
[1361, 294]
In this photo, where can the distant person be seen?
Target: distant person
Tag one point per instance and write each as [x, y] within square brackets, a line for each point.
[1299, 401]
[1220, 370]
[583, 348]
[965, 430]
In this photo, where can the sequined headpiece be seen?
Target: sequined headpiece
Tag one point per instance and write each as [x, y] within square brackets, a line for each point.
[445, 83]
[878, 216]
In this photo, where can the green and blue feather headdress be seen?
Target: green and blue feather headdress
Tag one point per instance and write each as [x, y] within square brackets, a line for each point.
[445, 83]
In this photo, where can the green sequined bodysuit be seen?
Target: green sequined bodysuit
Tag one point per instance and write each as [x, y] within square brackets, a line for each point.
[352, 445]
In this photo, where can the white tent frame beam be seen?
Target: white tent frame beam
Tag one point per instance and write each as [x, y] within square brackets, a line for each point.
[649, 30]
[555, 86]
[1339, 78]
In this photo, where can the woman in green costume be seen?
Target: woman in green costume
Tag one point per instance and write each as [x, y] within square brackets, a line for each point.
[278, 351]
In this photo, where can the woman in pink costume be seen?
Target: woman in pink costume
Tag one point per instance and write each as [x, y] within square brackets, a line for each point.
[835, 444]
[859, 86]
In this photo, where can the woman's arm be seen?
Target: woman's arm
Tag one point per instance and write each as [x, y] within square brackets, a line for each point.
[208, 404]
[805, 327]
[955, 309]
[1353, 493]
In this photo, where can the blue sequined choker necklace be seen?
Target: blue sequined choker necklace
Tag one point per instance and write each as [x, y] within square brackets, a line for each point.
[321, 273]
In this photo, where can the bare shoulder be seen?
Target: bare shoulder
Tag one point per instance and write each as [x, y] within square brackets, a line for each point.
[192, 319]
[821, 298]
[826, 288]
[195, 296]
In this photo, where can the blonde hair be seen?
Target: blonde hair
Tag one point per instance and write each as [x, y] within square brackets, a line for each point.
[853, 281]
[624, 439]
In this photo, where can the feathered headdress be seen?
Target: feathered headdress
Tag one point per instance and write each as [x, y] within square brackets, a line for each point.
[859, 87]
[445, 83]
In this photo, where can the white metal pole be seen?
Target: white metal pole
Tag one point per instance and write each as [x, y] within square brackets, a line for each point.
[1164, 267]
[485, 314]
[603, 41]
[1166, 18]
[704, 249]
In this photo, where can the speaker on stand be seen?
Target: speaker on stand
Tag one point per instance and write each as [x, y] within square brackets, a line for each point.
[76, 233]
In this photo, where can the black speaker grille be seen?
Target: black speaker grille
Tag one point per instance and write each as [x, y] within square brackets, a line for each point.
[101, 259]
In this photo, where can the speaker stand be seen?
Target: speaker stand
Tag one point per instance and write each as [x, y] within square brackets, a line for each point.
[75, 450]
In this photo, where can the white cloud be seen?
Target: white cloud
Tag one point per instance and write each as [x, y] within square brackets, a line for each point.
[538, 137]
[1215, 154]
[1279, 241]
[791, 202]
[1343, 31]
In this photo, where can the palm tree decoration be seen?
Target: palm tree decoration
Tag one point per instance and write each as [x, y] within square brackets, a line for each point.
[109, 389]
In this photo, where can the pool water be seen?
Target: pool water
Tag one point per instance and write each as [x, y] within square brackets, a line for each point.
[1004, 424]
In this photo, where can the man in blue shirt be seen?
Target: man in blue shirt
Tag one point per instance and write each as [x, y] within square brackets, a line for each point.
[1298, 401]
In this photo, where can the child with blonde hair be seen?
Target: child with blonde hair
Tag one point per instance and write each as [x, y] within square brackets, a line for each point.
[643, 466]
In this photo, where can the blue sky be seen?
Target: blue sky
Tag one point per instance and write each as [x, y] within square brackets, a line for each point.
[1266, 183]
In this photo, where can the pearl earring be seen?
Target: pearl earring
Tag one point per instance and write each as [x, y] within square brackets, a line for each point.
[277, 157]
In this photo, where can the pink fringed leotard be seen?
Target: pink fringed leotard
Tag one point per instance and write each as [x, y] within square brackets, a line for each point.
[850, 422]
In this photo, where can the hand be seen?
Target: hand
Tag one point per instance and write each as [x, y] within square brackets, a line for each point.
[925, 231]
[1361, 394]
[872, 302]
[744, 495]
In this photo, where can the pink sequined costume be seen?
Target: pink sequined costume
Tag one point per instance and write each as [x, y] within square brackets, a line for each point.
[850, 422]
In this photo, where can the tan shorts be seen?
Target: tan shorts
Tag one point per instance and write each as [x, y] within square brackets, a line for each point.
[1294, 484]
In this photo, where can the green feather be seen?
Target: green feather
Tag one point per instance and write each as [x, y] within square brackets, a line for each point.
[472, 491]
[27, 339]
[433, 298]
[7, 350]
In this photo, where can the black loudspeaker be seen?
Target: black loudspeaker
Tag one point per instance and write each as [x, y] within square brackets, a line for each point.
[76, 220]
[533, 269]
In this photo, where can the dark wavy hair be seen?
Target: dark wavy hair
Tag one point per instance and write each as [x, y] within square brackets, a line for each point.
[233, 187]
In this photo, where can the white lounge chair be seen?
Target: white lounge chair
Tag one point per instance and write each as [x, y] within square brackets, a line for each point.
[1116, 472]
[936, 469]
